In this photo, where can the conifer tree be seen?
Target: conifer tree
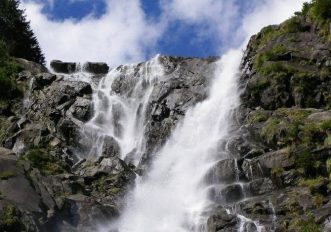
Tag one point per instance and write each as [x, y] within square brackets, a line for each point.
[15, 31]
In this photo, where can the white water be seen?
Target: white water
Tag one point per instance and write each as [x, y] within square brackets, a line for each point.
[122, 116]
[173, 197]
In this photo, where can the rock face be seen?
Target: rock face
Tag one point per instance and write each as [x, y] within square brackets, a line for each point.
[283, 144]
[42, 149]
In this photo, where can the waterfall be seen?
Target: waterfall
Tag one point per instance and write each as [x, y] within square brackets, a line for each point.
[119, 112]
[172, 196]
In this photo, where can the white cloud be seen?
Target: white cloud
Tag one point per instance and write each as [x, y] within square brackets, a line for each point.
[270, 12]
[214, 18]
[121, 35]
[223, 19]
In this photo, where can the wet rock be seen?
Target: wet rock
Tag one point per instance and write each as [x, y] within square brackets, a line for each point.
[110, 147]
[42, 80]
[252, 169]
[259, 187]
[228, 194]
[63, 67]
[249, 227]
[225, 171]
[276, 159]
[81, 109]
[221, 221]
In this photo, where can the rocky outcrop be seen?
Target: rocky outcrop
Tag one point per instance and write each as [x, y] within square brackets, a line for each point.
[98, 68]
[63, 67]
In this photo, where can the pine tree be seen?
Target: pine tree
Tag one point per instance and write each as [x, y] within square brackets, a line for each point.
[16, 32]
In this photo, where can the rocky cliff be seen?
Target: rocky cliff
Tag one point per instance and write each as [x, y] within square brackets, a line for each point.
[283, 145]
[278, 178]
[48, 181]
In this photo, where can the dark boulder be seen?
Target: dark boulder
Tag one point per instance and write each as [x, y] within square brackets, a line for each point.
[63, 67]
[96, 68]
[221, 221]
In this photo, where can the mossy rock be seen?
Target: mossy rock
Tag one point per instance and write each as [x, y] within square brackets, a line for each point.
[41, 159]
[5, 175]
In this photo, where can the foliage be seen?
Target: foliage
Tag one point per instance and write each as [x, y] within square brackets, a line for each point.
[16, 32]
[309, 225]
[10, 219]
[8, 71]
[320, 9]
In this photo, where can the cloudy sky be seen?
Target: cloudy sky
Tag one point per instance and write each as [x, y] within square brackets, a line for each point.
[126, 31]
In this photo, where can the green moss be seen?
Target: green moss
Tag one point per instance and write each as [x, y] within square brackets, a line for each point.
[268, 33]
[295, 115]
[311, 183]
[292, 25]
[5, 175]
[270, 129]
[115, 190]
[41, 159]
[272, 54]
[315, 133]
[327, 140]
[258, 116]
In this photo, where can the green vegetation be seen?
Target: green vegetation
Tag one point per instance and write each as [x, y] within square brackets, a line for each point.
[15, 31]
[308, 225]
[5, 175]
[283, 127]
[10, 218]
[42, 160]
[276, 176]
[258, 116]
[8, 71]
[311, 183]
[320, 9]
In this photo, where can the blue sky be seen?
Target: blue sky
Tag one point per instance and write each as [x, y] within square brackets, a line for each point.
[124, 31]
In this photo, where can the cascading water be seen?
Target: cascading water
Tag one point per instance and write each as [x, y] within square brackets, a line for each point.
[122, 117]
[173, 195]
